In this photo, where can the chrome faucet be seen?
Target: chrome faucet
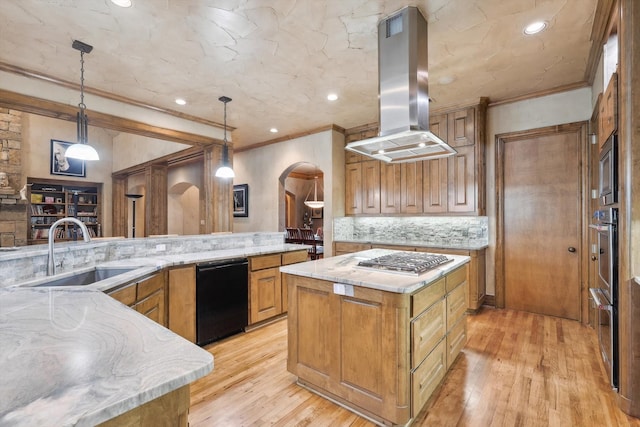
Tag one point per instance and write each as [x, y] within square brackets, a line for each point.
[51, 262]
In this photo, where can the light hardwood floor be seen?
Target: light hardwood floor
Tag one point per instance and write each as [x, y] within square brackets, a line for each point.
[517, 369]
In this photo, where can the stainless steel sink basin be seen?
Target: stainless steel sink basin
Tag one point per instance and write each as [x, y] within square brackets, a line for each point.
[86, 278]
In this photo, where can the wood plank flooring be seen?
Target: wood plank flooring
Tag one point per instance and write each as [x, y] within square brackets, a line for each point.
[517, 369]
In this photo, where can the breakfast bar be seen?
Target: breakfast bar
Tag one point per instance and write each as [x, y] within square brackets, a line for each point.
[378, 342]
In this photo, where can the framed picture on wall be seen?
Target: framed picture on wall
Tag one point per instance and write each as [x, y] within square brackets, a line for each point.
[63, 165]
[241, 200]
[316, 213]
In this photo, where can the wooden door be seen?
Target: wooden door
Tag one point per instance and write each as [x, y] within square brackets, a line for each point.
[411, 187]
[434, 185]
[390, 188]
[371, 187]
[353, 189]
[541, 227]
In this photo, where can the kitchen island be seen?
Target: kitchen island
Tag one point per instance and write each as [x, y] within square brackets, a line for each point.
[376, 342]
[78, 357]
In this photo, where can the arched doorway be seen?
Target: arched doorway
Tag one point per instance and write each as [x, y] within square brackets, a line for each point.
[183, 212]
[301, 182]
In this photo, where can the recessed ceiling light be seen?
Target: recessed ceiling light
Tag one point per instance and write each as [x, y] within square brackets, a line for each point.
[273, 130]
[445, 80]
[381, 151]
[122, 3]
[535, 27]
[180, 101]
[332, 97]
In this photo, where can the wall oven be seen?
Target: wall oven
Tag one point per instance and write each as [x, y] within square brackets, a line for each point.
[608, 172]
[605, 294]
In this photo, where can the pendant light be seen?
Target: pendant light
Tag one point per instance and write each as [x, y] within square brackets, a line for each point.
[225, 170]
[82, 150]
[315, 203]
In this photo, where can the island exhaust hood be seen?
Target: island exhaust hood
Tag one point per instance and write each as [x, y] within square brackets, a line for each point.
[404, 134]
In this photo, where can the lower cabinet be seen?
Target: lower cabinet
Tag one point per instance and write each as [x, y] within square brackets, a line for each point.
[267, 298]
[148, 297]
[381, 353]
[182, 301]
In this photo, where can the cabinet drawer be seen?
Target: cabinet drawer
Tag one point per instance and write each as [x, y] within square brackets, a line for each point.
[153, 307]
[456, 305]
[426, 378]
[150, 285]
[456, 339]
[427, 330]
[422, 299]
[346, 248]
[126, 295]
[456, 277]
[264, 261]
[294, 257]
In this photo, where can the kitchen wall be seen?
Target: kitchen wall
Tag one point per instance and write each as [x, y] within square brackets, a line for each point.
[262, 168]
[135, 149]
[559, 108]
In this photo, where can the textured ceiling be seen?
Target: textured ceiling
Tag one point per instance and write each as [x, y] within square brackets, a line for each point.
[278, 59]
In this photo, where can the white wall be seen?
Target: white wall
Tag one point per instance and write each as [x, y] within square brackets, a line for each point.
[566, 107]
[262, 167]
[132, 149]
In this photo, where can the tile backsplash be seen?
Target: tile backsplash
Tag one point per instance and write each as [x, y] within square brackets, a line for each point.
[439, 231]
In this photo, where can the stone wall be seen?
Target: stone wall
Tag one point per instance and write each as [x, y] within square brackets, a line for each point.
[13, 214]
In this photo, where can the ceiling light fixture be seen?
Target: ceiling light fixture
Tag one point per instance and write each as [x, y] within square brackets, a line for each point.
[181, 101]
[122, 3]
[535, 27]
[225, 170]
[82, 150]
[273, 130]
[332, 97]
[315, 203]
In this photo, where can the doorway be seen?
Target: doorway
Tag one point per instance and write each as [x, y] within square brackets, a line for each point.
[540, 231]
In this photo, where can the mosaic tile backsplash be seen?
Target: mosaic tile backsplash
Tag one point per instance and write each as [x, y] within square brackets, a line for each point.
[453, 232]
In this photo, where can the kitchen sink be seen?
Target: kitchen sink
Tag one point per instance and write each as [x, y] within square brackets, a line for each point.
[86, 278]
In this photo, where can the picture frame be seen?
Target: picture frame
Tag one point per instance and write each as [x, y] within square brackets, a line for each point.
[241, 200]
[62, 165]
[317, 213]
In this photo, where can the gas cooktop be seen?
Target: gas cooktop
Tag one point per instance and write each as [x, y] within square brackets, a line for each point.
[414, 263]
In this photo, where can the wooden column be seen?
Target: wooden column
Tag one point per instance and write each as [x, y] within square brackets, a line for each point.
[217, 193]
[629, 191]
[119, 206]
[155, 200]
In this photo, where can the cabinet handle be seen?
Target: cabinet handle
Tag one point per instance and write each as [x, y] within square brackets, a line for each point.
[571, 249]
[594, 258]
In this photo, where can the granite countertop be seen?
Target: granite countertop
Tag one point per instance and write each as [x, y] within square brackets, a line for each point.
[143, 267]
[78, 357]
[343, 269]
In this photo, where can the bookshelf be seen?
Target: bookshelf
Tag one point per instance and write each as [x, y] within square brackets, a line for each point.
[50, 200]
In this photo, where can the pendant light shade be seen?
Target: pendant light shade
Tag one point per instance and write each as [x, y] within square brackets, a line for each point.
[225, 170]
[315, 203]
[82, 150]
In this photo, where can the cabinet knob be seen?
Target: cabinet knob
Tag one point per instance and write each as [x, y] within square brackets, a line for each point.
[594, 258]
[571, 249]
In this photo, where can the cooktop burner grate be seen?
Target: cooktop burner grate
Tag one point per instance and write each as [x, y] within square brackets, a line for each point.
[405, 262]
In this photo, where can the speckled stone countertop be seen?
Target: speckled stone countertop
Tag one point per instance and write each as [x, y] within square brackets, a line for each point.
[78, 357]
[343, 269]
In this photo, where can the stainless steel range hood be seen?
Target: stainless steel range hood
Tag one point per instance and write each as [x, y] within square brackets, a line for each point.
[403, 87]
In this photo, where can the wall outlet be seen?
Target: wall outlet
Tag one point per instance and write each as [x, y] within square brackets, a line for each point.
[161, 247]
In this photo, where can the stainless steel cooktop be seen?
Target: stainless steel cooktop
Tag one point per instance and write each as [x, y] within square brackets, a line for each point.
[413, 263]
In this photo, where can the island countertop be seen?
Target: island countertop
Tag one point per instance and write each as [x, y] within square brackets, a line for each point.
[343, 269]
[79, 357]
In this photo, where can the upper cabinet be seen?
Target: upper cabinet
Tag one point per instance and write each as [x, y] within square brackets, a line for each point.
[451, 185]
[608, 115]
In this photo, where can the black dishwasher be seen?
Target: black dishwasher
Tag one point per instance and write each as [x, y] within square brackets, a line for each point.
[221, 299]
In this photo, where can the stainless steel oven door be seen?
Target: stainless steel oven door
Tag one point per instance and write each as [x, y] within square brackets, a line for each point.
[607, 332]
[605, 258]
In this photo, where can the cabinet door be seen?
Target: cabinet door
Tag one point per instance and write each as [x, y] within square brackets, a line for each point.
[462, 180]
[371, 187]
[126, 295]
[462, 127]
[608, 111]
[266, 294]
[439, 125]
[390, 188]
[353, 189]
[434, 186]
[153, 307]
[182, 302]
[411, 187]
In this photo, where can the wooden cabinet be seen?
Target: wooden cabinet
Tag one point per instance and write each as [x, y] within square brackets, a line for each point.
[608, 115]
[267, 298]
[453, 185]
[182, 301]
[380, 353]
[147, 296]
[341, 248]
[50, 200]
